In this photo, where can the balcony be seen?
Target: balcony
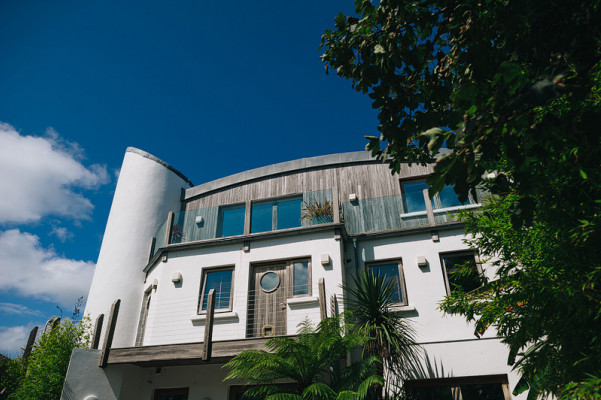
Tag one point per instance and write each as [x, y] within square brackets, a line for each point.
[237, 220]
[220, 335]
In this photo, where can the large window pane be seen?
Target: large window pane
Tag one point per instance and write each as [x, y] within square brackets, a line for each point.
[221, 281]
[390, 272]
[301, 278]
[231, 221]
[262, 217]
[459, 280]
[448, 197]
[289, 213]
[413, 197]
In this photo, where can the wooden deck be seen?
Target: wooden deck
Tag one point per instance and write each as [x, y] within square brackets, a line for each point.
[182, 354]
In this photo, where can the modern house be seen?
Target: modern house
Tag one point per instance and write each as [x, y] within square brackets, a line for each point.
[188, 276]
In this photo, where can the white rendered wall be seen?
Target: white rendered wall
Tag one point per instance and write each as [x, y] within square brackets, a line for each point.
[146, 191]
[450, 348]
[173, 316]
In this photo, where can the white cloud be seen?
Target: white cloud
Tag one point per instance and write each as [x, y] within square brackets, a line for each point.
[61, 233]
[13, 339]
[42, 176]
[34, 271]
[19, 309]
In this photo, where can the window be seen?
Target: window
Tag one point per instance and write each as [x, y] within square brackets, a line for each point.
[276, 214]
[413, 197]
[231, 220]
[454, 279]
[219, 279]
[143, 317]
[392, 270]
[300, 278]
[466, 388]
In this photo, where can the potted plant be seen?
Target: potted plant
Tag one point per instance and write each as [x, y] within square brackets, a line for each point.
[177, 234]
[318, 213]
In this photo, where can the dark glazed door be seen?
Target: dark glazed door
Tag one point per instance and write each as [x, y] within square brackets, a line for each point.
[267, 301]
[171, 394]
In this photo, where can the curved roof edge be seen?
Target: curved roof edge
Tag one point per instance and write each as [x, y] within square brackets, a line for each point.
[280, 168]
[159, 161]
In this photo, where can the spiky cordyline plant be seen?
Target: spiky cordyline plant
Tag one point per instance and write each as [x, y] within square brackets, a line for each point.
[306, 360]
[317, 209]
[371, 304]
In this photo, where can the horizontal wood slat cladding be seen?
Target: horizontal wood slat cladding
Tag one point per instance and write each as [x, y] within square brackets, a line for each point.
[182, 353]
[357, 178]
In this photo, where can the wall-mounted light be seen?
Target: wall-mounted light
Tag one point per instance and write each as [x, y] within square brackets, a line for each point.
[352, 197]
[199, 220]
[325, 259]
[155, 283]
[421, 261]
[435, 237]
[176, 277]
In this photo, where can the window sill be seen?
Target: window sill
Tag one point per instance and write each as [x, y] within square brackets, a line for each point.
[456, 208]
[440, 210]
[302, 300]
[216, 316]
[403, 309]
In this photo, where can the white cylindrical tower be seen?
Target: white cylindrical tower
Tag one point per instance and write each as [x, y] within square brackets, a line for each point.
[147, 189]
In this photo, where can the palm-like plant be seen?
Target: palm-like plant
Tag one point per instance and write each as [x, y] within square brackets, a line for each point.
[371, 303]
[306, 360]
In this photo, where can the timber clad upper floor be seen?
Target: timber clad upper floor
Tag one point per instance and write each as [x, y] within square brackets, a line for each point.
[364, 196]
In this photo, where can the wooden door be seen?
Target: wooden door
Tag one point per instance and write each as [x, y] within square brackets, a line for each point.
[267, 301]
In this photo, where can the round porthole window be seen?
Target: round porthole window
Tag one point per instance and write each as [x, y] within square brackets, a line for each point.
[270, 281]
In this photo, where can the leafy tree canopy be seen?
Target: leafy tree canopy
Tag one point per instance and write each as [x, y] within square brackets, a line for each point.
[41, 375]
[513, 89]
[509, 86]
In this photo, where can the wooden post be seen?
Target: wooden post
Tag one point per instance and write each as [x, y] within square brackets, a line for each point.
[429, 210]
[247, 211]
[207, 345]
[168, 228]
[336, 205]
[110, 332]
[333, 306]
[321, 288]
[30, 342]
[97, 331]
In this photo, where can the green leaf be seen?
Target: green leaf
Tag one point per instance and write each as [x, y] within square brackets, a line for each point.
[508, 72]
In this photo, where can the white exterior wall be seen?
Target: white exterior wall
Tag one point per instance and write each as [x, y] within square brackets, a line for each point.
[450, 348]
[173, 316]
[146, 191]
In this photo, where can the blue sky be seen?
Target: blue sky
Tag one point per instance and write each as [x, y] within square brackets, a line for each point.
[212, 88]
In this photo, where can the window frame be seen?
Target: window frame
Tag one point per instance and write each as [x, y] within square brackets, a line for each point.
[203, 283]
[274, 210]
[434, 201]
[458, 253]
[399, 263]
[290, 268]
[455, 383]
[404, 196]
[220, 211]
